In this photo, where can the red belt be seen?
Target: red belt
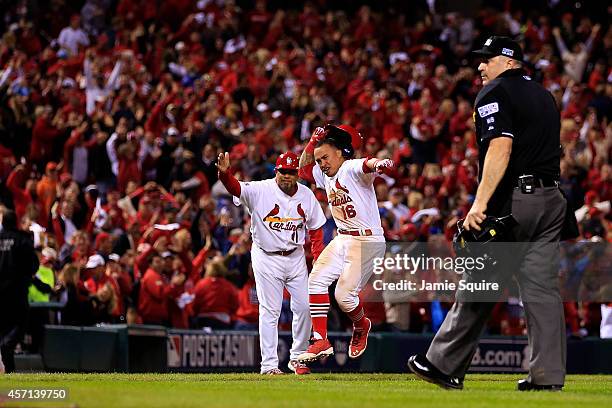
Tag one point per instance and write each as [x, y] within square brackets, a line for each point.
[281, 253]
[355, 233]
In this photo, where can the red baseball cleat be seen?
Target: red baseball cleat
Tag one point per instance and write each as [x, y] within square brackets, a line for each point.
[298, 368]
[318, 349]
[359, 341]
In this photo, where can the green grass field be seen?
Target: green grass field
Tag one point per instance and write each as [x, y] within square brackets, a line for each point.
[314, 391]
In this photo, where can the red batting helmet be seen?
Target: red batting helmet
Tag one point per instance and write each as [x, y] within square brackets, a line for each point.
[288, 161]
[356, 138]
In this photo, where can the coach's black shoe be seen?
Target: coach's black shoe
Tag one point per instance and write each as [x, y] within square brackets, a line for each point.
[526, 385]
[423, 369]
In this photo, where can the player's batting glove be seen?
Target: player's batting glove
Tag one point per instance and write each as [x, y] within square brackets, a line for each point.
[384, 166]
[317, 135]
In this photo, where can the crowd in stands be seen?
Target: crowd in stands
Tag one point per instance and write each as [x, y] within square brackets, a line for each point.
[112, 114]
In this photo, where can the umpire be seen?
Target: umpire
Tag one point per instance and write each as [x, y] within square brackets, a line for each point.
[517, 125]
[18, 263]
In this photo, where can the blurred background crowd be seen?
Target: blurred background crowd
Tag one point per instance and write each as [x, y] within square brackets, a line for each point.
[112, 114]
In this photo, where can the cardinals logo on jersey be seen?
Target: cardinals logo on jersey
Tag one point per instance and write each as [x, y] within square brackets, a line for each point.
[272, 214]
[341, 187]
[339, 195]
[302, 214]
[277, 223]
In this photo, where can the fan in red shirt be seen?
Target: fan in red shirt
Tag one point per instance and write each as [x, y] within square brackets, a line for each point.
[21, 196]
[97, 278]
[129, 170]
[44, 134]
[247, 315]
[190, 179]
[216, 299]
[156, 291]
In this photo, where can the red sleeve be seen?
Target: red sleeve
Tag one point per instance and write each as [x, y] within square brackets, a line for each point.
[197, 263]
[571, 316]
[154, 122]
[141, 260]
[70, 144]
[187, 262]
[13, 185]
[45, 131]
[316, 242]
[230, 182]
[155, 291]
[204, 186]
[137, 193]
[91, 143]
[89, 225]
[183, 32]
[59, 233]
[366, 169]
[305, 173]
[91, 206]
[234, 301]
[125, 283]
[170, 198]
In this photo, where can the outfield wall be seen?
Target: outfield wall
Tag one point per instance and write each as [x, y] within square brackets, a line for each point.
[121, 348]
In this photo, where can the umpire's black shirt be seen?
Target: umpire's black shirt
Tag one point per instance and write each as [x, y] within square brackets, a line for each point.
[18, 263]
[512, 105]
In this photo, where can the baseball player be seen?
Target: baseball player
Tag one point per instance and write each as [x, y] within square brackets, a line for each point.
[281, 210]
[349, 256]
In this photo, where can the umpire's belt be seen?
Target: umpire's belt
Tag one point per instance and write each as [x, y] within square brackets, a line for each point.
[281, 253]
[356, 233]
[538, 181]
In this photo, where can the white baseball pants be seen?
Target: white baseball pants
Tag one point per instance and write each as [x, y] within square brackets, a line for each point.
[350, 259]
[272, 274]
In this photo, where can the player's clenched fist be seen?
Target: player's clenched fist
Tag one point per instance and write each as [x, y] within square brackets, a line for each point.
[223, 162]
[384, 166]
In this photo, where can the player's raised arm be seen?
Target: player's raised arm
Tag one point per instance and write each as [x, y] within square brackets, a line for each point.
[307, 161]
[229, 181]
[307, 156]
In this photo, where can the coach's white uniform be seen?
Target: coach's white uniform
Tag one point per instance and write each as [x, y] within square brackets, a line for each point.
[349, 256]
[278, 224]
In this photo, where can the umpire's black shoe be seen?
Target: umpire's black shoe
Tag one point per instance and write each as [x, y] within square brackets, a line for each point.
[423, 369]
[526, 385]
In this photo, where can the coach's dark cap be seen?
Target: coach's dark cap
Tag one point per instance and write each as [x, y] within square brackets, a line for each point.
[505, 46]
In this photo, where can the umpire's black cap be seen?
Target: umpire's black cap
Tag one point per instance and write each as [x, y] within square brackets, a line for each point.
[505, 46]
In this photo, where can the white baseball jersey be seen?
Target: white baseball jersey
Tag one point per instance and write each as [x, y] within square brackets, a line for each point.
[351, 196]
[279, 221]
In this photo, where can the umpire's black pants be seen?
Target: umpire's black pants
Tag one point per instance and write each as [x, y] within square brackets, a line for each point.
[9, 337]
[540, 217]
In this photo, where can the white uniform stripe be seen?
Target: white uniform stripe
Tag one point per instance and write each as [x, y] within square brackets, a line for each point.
[359, 316]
